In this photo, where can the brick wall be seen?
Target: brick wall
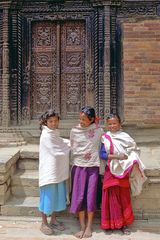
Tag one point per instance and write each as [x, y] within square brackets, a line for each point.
[141, 72]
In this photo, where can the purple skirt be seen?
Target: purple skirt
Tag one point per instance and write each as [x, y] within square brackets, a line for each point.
[84, 189]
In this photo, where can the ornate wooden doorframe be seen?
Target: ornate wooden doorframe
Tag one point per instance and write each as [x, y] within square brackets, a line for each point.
[57, 67]
[23, 16]
[103, 66]
[27, 21]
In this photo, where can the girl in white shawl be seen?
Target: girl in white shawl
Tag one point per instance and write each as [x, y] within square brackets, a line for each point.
[53, 171]
[85, 141]
[121, 175]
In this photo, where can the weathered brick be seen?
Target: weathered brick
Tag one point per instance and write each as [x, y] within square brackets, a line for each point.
[141, 71]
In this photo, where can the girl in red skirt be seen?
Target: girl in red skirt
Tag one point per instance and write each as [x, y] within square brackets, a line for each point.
[121, 176]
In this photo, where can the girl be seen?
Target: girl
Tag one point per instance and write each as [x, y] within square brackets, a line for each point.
[85, 141]
[120, 176]
[53, 171]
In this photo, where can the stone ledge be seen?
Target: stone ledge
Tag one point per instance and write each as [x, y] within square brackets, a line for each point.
[28, 154]
[152, 172]
[8, 159]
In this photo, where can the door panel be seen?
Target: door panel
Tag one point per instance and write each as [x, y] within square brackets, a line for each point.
[72, 68]
[57, 68]
[43, 74]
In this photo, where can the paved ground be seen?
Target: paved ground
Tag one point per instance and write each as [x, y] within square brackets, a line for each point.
[25, 228]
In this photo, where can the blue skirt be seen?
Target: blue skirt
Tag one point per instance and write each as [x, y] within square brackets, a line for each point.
[53, 198]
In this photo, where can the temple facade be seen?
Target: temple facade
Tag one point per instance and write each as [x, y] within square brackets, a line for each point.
[67, 54]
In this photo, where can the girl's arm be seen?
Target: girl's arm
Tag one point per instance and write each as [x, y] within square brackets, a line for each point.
[102, 153]
[120, 156]
[105, 156]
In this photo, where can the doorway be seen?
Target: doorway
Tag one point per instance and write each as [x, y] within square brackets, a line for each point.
[58, 68]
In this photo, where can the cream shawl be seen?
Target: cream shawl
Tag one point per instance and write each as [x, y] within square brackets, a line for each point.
[53, 157]
[121, 142]
[85, 145]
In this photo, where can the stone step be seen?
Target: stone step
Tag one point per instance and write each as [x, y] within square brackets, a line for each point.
[21, 191]
[24, 206]
[29, 156]
[28, 207]
[30, 151]
[25, 183]
[28, 164]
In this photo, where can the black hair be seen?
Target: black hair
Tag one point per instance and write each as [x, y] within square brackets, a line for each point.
[45, 116]
[89, 112]
[113, 115]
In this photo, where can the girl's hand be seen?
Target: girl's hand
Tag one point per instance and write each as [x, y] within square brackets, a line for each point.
[122, 156]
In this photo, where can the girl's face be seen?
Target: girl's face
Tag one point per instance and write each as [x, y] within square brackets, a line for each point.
[53, 122]
[113, 124]
[84, 120]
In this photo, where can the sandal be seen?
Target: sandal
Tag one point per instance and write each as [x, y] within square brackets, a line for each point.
[57, 225]
[126, 230]
[46, 229]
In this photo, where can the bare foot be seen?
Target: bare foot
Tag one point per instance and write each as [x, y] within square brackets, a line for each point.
[87, 233]
[80, 234]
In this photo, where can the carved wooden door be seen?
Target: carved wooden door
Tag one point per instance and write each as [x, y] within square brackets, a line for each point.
[57, 68]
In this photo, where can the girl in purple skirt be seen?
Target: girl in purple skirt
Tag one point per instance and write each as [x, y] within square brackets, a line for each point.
[85, 141]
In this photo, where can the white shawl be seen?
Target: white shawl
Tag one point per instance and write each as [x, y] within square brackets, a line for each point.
[85, 145]
[53, 157]
[123, 143]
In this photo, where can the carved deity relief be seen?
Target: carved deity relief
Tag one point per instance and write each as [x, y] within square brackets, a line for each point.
[73, 36]
[44, 36]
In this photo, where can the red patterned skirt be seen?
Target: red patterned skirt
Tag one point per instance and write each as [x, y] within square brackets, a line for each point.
[116, 209]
